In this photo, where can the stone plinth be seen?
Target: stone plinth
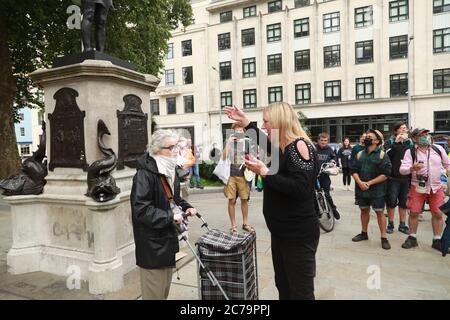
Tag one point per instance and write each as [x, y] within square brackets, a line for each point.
[62, 231]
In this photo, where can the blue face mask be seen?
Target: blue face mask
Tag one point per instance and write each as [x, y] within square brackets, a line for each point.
[424, 141]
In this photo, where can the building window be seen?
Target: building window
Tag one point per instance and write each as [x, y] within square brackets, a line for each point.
[398, 10]
[170, 77]
[154, 106]
[21, 117]
[332, 91]
[248, 37]
[399, 85]
[226, 16]
[441, 40]
[364, 88]
[186, 48]
[188, 104]
[332, 56]
[331, 22]
[441, 81]
[441, 121]
[364, 51]
[275, 94]
[303, 93]
[224, 41]
[250, 98]
[274, 32]
[363, 17]
[22, 132]
[274, 64]
[24, 149]
[302, 60]
[441, 6]
[225, 70]
[226, 99]
[302, 3]
[171, 105]
[398, 47]
[169, 54]
[188, 77]
[249, 67]
[274, 6]
[250, 11]
[301, 27]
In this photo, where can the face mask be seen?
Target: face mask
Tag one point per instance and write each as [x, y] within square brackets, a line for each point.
[368, 142]
[424, 141]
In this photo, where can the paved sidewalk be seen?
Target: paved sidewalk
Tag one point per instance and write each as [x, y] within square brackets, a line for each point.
[419, 273]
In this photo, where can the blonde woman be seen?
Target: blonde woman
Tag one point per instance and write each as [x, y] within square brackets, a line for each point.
[288, 202]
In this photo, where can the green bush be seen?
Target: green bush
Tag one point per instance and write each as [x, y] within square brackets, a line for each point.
[206, 169]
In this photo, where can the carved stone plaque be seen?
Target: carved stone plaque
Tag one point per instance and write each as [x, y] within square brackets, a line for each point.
[133, 137]
[67, 132]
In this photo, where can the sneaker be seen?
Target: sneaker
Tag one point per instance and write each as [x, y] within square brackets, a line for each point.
[191, 186]
[385, 244]
[233, 230]
[390, 228]
[336, 214]
[404, 229]
[360, 237]
[437, 244]
[200, 187]
[409, 243]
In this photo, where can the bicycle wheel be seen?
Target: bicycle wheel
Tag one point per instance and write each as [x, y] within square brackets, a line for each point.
[326, 218]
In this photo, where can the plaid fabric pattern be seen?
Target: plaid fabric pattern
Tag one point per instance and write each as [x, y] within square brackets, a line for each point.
[232, 260]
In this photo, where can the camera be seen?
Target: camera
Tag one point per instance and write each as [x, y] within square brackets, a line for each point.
[422, 185]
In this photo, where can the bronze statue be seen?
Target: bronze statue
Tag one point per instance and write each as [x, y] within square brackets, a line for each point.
[101, 185]
[31, 178]
[94, 11]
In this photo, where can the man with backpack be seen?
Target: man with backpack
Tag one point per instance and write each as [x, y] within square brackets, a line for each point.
[397, 185]
[424, 163]
[370, 169]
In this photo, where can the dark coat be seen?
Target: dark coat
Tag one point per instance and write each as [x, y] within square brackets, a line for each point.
[155, 236]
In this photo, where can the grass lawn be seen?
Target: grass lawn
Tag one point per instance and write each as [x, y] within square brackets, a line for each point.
[208, 183]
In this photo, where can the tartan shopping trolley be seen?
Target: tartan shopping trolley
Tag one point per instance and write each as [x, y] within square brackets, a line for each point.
[227, 265]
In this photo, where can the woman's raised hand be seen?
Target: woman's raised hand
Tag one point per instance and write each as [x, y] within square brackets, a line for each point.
[236, 114]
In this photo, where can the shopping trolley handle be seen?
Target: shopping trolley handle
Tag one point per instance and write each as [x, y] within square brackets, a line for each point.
[205, 224]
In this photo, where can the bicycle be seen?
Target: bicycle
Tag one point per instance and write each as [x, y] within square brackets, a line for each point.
[324, 209]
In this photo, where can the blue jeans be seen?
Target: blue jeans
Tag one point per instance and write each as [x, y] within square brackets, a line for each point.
[194, 172]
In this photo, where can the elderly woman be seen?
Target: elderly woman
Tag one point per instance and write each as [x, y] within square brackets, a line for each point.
[288, 202]
[154, 216]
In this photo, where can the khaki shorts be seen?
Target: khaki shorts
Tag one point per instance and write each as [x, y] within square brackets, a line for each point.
[237, 185]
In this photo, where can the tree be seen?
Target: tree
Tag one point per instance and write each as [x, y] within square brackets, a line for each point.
[34, 32]
[302, 119]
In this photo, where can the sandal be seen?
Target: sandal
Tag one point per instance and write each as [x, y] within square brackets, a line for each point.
[233, 230]
[247, 228]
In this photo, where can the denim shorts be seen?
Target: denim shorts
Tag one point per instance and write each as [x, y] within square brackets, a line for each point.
[377, 204]
[397, 193]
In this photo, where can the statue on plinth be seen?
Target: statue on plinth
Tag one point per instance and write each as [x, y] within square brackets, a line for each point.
[94, 11]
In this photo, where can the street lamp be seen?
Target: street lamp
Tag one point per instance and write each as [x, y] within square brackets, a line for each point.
[410, 117]
[220, 109]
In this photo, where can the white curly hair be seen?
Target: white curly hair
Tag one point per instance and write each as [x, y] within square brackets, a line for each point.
[158, 140]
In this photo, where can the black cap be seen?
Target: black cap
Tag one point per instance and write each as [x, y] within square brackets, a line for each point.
[418, 131]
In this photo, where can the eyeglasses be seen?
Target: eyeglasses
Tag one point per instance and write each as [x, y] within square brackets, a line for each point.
[171, 148]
